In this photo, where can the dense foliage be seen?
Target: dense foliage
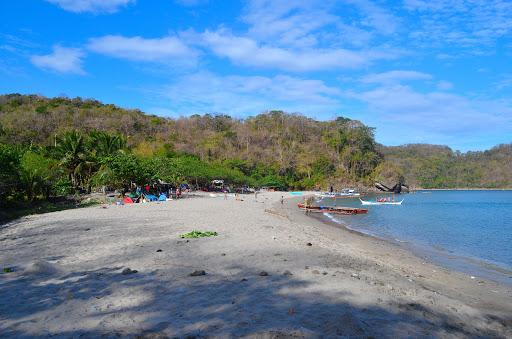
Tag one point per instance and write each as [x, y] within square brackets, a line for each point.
[431, 166]
[85, 144]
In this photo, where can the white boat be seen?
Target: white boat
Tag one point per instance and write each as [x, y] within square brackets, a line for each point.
[346, 193]
[381, 202]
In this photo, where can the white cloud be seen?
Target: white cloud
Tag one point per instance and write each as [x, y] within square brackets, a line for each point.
[141, 49]
[468, 24]
[396, 76]
[292, 23]
[94, 6]
[61, 60]
[375, 16]
[206, 92]
[246, 51]
[434, 112]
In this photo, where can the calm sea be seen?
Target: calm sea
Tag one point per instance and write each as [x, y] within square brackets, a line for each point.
[470, 231]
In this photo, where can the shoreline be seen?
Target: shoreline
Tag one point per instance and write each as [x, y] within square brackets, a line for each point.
[463, 264]
[271, 271]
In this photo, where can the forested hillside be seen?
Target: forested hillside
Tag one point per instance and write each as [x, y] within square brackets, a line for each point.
[55, 145]
[431, 166]
[93, 144]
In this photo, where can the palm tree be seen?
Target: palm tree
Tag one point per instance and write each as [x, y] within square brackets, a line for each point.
[103, 144]
[71, 147]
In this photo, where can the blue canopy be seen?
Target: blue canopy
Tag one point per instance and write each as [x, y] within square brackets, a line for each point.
[151, 197]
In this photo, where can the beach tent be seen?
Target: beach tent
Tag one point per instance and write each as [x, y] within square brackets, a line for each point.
[128, 200]
[133, 195]
[151, 197]
[162, 197]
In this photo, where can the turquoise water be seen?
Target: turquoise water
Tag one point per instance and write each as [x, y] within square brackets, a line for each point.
[466, 230]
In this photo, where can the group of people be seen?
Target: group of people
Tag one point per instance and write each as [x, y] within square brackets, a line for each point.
[388, 199]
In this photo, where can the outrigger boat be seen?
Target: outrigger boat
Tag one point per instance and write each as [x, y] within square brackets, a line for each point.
[381, 202]
[332, 209]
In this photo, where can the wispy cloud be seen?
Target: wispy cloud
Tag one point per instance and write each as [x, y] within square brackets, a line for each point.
[207, 92]
[396, 76]
[61, 60]
[291, 23]
[434, 111]
[468, 24]
[248, 52]
[93, 6]
[141, 49]
[379, 18]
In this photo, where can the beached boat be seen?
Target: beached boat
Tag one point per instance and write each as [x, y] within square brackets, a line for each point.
[381, 202]
[333, 209]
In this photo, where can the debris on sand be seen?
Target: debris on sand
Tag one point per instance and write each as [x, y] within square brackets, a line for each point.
[197, 273]
[198, 234]
[128, 270]
[263, 274]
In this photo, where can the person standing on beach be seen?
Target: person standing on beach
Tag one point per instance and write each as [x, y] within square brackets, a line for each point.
[256, 195]
[282, 200]
[225, 194]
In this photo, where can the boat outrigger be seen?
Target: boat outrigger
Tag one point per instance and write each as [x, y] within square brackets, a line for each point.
[381, 202]
[331, 209]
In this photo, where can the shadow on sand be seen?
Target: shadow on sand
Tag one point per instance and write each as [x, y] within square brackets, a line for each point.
[105, 303]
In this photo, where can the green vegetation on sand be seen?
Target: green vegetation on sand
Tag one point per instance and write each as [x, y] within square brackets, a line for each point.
[198, 234]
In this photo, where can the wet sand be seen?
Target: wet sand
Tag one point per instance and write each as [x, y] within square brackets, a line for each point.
[271, 272]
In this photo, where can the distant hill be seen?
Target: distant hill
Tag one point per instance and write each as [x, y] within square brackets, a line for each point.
[433, 166]
[304, 152]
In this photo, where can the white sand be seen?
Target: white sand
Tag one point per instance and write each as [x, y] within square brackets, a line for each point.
[68, 280]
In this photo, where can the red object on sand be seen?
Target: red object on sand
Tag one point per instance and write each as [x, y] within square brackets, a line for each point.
[128, 200]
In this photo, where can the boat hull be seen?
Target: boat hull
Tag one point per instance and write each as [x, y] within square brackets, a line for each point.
[335, 210]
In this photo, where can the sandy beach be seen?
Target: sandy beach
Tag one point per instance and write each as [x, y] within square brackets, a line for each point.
[271, 272]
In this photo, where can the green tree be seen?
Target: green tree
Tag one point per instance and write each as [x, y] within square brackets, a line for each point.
[38, 174]
[73, 153]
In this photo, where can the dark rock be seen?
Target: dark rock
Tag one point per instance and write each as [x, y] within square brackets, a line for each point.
[243, 280]
[309, 244]
[223, 254]
[287, 273]
[197, 273]
[159, 250]
[128, 270]
[325, 273]
[263, 274]
[87, 229]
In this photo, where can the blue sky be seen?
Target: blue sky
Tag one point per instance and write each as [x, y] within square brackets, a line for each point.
[419, 71]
